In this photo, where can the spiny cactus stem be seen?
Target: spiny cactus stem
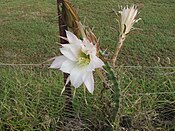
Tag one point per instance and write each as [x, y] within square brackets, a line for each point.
[115, 94]
[117, 50]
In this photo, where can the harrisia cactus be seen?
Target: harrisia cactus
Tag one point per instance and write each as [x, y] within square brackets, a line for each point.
[84, 55]
[126, 19]
[115, 94]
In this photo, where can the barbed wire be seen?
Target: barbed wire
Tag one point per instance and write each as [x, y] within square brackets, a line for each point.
[148, 94]
[142, 67]
[4, 64]
[125, 94]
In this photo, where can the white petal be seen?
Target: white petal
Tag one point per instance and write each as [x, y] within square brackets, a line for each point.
[98, 62]
[72, 38]
[68, 53]
[128, 15]
[67, 66]
[76, 76]
[75, 48]
[58, 61]
[89, 82]
[88, 47]
[91, 66]
[95, 63]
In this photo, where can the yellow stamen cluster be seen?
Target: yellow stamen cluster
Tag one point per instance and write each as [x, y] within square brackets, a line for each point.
[84, 59]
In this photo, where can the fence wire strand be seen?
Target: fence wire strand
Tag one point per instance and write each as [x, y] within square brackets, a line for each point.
[148, 94]
[140, 67]
[137, 67]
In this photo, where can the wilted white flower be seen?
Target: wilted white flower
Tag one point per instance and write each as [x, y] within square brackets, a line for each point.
[127, 19]
[79, 60]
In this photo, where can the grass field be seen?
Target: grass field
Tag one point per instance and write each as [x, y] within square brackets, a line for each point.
[30, 95]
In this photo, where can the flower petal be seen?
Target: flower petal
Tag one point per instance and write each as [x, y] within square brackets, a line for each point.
[95, 63]
[127, 18]
[91, 66]
[72, 38]
[68, 53]
[76, 76]
[89, 82]
[76, 49]
[67, 66]
[88, 48]
[58, 61]
[73, 48]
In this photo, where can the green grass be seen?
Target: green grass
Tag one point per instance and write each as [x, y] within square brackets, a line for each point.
[30, 96]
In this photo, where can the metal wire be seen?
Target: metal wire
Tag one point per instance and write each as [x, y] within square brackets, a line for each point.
[142, 67]
[147, 94]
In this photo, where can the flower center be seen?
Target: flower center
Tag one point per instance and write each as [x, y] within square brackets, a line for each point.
[84, 59]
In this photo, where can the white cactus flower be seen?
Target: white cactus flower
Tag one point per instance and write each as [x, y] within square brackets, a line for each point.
[79, 60]
[127, 19]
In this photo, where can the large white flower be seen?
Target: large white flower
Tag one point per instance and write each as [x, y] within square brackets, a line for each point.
[79, 60]
[127, 19]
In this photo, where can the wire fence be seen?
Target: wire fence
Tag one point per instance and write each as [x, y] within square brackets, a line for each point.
[131, 66]
[135, 101]
[172, 72]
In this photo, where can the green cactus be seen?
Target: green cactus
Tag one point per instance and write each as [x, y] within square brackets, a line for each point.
[70, 18]
[111, 78]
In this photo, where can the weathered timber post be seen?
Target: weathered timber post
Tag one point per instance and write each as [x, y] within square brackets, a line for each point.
[62, 32]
